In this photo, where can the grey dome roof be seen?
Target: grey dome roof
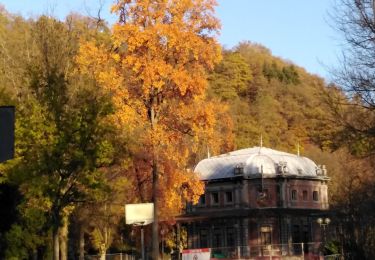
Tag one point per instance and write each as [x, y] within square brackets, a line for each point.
[255, 161]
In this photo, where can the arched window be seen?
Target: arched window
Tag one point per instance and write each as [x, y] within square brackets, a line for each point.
[294, 195]
[315, 195]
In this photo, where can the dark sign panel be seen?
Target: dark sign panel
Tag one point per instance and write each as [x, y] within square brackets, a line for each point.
[6, 133]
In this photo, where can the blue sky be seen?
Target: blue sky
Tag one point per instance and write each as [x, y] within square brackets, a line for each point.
[296, 30]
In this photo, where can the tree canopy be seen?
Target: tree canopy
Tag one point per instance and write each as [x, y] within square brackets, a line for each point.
[159, 57]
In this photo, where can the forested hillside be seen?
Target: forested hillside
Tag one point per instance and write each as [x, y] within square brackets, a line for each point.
[272, 98]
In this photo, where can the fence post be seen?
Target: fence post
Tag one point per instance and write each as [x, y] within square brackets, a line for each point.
[303, 251]
[271, 252]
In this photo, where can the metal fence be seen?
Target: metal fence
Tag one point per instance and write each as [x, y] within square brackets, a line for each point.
[333, 257]
[117, 256]
[296, 251]
[274, 251]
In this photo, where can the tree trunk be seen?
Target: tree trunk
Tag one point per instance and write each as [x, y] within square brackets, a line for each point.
[64, 240]
[35, 254]
[103, 246]
[155, 187]
[81, 243]
[102, 255]
[56, 248]
[155, 226]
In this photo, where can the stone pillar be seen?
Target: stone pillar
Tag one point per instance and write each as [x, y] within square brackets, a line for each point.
[289, 234]
[211, 235]
[238, 237]
[285, 239]
[195, 236]
[245, 237]
[284, 194]
[237, 195]
[245, 193]
[284, 228]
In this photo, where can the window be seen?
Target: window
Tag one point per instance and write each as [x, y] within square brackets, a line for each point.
[262, 194]
[203, 236]
[230, 237]
[305, 195]
[228, 197]
[294, 194]
[296, 237]
[306, 237]
[306, 234]
[238, 170]
[265, 235]
[315, 195]
[215, 198]
[216, 241]
[202, 199]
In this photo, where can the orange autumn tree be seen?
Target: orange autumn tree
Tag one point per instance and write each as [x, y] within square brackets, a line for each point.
[156, 71]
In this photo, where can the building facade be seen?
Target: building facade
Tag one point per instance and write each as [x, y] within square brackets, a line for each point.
[258, 202]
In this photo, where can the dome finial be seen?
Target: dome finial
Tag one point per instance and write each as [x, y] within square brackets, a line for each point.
[261, 143]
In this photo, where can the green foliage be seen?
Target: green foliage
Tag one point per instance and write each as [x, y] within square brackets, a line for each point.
[271, 97]
[62, 136]
[287, 74]
[332, 247]
[28, 235]
[231, 77]
[16, 249]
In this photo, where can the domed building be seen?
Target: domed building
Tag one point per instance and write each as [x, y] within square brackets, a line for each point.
[258, 202]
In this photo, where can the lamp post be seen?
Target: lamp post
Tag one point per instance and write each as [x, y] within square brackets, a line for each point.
[323, 223]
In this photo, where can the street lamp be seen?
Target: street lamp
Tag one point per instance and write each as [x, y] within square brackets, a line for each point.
[323, 222]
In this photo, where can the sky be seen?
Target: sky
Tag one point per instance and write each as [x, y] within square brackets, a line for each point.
[295, 30]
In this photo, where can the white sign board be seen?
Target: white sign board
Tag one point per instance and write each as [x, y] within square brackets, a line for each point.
[141, 214]
[196, 254]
